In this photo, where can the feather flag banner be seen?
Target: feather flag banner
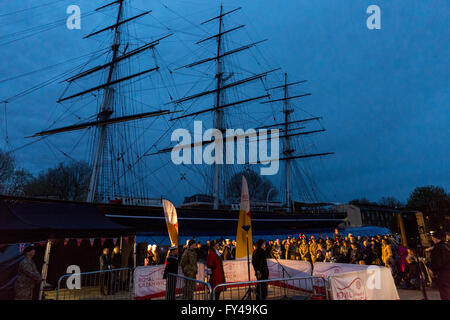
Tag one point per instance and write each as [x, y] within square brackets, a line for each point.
[244, 219]
[170, 212]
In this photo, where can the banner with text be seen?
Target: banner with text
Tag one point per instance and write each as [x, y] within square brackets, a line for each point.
[149, 282]
[357, 282]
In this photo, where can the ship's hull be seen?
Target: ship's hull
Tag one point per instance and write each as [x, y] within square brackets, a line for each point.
[220, 222]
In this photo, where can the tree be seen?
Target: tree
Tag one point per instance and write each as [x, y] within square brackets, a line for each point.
[390, 202]
[258, 187]
[433, 202]
[65, 182]
[19, 182]
[6, 167]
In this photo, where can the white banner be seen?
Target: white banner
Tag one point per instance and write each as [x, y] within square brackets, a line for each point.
[149, 282]
[237, 270]
[357, 282]
[326, 269]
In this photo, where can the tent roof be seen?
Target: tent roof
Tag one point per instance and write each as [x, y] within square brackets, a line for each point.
[55, 219]
[13, 229]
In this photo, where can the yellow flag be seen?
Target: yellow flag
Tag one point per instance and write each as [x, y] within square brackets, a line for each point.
[171, 221]
[244, 219]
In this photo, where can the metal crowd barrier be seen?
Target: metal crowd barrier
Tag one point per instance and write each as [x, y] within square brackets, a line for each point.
[179, 287]
[115, 284]
[295, 288]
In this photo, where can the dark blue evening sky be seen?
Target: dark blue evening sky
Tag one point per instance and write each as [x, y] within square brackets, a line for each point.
[383, 94]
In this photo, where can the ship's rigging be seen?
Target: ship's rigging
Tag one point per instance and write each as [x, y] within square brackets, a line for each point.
[117, 154]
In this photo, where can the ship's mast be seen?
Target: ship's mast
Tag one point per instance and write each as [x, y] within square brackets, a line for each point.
[105, 113]
[219, 111]
[287, 146]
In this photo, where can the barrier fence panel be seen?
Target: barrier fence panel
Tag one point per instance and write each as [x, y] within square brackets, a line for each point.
[295, 288]
[115, 284]
[179, 287]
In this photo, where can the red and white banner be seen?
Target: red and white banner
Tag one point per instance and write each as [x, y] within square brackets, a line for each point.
[149, 282]
[170, 213]
[357, 282]
[326, 269]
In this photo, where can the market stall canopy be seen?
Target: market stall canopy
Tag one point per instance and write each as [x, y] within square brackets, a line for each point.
[27, 220]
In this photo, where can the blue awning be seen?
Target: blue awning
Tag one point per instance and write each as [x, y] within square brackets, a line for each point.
[368, 231]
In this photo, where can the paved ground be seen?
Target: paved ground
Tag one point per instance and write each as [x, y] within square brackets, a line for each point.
[238, 293]
[432, 294]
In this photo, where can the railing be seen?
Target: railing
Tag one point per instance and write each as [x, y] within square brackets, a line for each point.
[115, 284]
[301, 288]
[179, 287]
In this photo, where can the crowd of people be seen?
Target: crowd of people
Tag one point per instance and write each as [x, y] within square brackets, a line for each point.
[382, 250]
[407, 268]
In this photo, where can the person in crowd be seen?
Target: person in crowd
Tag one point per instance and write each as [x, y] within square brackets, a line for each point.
[201, 256]
[233, 249]
[156, 256]
[328, 244]
[386, 253]
[344, 252]
[329, 257]
[276, 250]
[28, 276]
[259, 262]
[440, 263]
[188, 265]
[304, 250]
[336, 249]
[366, 253]
[351, 239]
[313, 249]
[226, 252]
[411, 276]
[116, 263]
[215, 263]
[292, 249]
[402, 253]
[337, 235]
[105, 264]
[319, 255]
[286, 249]
[355, 255]
[321, 241]
[148, 260]
[376, 252]
[171, 267]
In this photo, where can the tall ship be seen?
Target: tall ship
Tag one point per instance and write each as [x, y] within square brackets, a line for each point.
[138, 88]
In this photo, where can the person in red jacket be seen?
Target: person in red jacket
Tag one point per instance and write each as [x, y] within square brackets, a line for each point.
[215, 263]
